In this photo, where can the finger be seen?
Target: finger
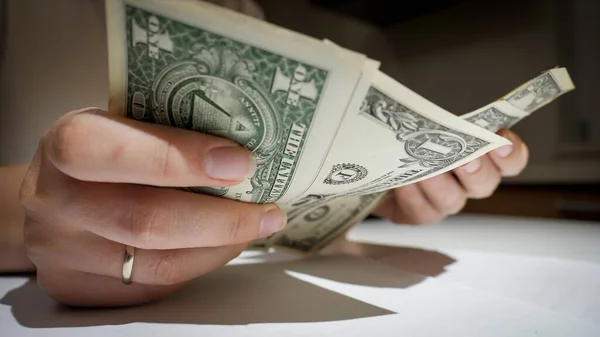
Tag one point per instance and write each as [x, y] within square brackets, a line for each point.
[93, 145]
[147, 217]
[88, 253]
[510, 160]
[408, 206]
[81, 289]
[444, 193]
[156, 218]
[479, 178]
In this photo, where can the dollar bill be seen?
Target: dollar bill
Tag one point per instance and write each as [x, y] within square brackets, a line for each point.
[522, 101]
[332, 135]
[193, 65]
[397, 137]
[312, 228]
[541, 90]
[318, 219]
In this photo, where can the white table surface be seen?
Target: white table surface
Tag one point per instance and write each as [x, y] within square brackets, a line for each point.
[468, 276]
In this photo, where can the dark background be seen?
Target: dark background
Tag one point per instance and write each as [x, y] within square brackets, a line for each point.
[463, 54]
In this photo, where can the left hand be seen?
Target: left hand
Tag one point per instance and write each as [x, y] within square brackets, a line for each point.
[432, 200]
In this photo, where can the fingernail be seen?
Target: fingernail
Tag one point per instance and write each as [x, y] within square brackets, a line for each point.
[472, 166]
[504, 151]
[229, 163]
[273, 221]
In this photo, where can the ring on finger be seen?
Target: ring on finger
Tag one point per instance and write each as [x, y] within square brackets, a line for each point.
[128, 265]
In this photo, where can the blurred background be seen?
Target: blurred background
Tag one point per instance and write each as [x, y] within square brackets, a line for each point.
[463, 54]
[460, 54]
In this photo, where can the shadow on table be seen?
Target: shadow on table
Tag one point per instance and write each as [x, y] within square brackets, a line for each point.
[253, 292]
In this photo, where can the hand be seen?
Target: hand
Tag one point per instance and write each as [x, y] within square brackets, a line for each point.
[87, 196]
[432, 200]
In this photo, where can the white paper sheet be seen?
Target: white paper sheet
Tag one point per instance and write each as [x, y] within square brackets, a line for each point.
[553, 264]
[468, 293]
[326, 296]
[565, 239]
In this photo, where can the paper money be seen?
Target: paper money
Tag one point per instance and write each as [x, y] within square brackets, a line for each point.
[307, 235]
[522, 101]
[331, 133]
[194, 65]
[397, 137]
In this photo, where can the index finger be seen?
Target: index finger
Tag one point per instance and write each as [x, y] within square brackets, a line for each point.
[93, 145]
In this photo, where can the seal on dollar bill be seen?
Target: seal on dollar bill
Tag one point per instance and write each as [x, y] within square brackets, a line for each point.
[346, 174]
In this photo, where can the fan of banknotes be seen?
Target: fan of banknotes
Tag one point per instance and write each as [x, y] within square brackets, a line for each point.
[332, 134]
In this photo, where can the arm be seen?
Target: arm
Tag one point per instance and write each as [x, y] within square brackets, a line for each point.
[12, 251]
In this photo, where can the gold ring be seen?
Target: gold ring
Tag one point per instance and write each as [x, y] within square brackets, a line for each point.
[128, 265]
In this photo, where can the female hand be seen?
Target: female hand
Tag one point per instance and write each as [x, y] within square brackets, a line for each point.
[87, 196]
[432, 200]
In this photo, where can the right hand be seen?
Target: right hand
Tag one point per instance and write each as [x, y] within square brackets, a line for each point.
[96, 184]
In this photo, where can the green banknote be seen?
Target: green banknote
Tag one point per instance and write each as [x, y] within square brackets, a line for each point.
[277, 93]
[331, 134]
[317, 219]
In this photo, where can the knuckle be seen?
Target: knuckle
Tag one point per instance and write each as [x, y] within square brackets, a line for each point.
[410, 220]
[38, 246]
[431, 217]
[162, 163]
[453, 203]
[28, 197]
[400, 218]
[423, 216]
[406, 200]
[483, 193]
[67, 143]
[240, 225]
[143, 224]
[413, 208]
[486, 190]
[167, 270]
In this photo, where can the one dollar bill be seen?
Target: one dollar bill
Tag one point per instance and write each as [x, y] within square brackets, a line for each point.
[331, 134]
[319, 219]
[193, 65]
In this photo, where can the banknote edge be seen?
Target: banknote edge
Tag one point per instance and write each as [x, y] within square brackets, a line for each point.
[334, 235]
[362, 86]
[396, 90]
[117, 56]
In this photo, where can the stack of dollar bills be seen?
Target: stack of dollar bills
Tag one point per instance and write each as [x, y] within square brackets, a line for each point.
[332, 134]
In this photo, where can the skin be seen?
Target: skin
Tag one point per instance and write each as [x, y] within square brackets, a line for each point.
[87, 193]
[13, 257]
[434, 199]
[69, 213]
